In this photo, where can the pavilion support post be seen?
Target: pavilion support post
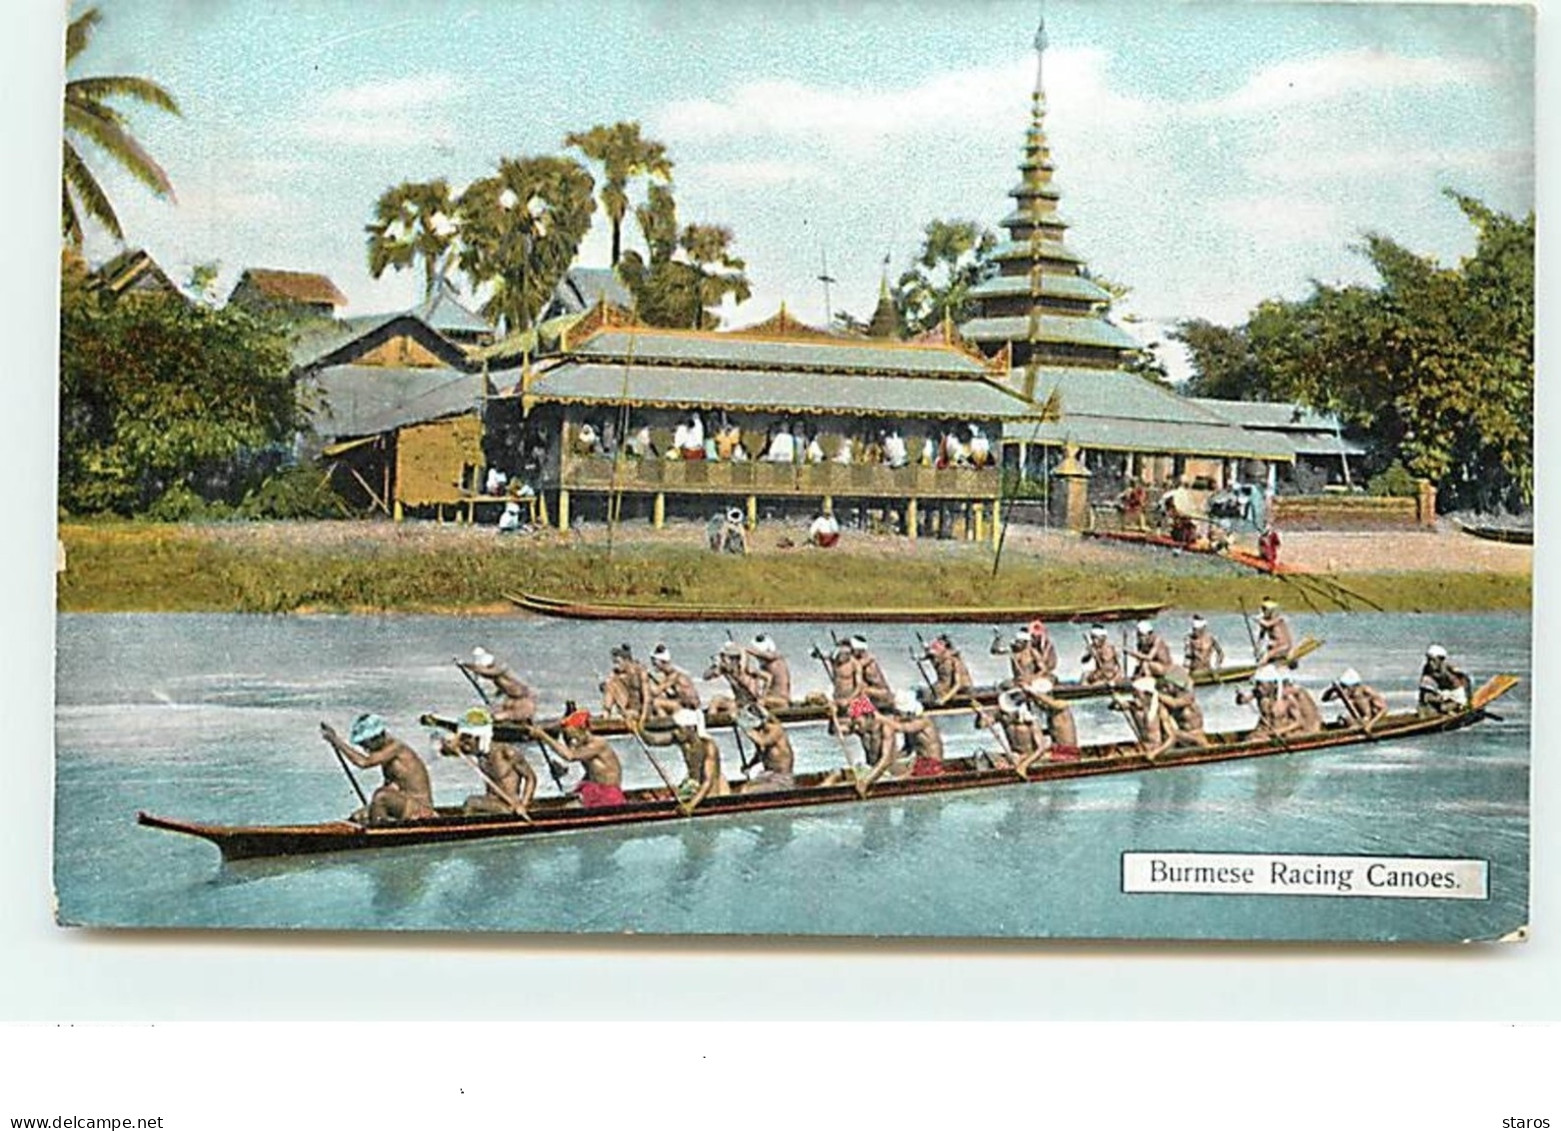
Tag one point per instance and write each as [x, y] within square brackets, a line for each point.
[542, 519]
[395, 511]
[1024, 459]
[997, 523]
[658, 510]
[827, 504]
[563, 509]
[979, 532]
[753, 511]
[910, 518]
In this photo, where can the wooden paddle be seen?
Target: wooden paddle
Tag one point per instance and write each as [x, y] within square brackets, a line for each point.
[346, 769]
[504, 795]
[683, 807]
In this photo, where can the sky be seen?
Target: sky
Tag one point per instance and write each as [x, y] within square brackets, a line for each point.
[1210, 155]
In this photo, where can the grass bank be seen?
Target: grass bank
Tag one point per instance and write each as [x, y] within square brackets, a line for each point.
[342, 567]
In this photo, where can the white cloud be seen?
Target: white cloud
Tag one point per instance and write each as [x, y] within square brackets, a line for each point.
[1278, 220]
[398, 113]
[750, 174]
[1341, 75]
[1376, 162]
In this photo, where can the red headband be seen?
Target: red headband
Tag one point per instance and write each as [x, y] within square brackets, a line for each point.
[579, 720]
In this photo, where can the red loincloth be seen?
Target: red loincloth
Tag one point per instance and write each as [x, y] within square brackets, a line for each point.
[594, 795]
[1063, 753]
[925, 767]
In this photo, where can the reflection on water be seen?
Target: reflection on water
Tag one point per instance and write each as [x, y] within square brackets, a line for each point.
[216, 718]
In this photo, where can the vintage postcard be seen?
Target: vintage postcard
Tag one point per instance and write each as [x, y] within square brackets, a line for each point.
[924, 469]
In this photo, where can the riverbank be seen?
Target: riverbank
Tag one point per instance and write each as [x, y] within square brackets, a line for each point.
[423, 567]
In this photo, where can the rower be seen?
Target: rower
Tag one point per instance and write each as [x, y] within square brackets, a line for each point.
[919, 738]
[1203, 653]
[1296, 710]
[1363, 705]
[406, 794]
[517, 702]
[1152, 652]
[774, 673]
[1146, 716]
[949, 668]
[871, 729]
[1180, 703]
[1045, 650]
[845, 676]
[626, 692]
[874, 685]
[1025, 739]
[730, 666]
[603, 781]
[671, 689]
[1023, 663]
[1444, 689]
[1062, 731]
[701, 756]
[1273, 632]
[1264, 695]
[509, 777]
[1102, 664]
[773, 745]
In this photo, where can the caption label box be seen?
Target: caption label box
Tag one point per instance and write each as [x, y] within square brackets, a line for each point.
[1258, 873]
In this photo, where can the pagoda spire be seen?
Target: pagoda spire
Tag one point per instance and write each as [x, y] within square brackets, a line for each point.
[1041, 44]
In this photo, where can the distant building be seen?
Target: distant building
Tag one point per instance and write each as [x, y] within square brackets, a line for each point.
[582, 288]
[297, 295]
[885, 322]
[134, 272]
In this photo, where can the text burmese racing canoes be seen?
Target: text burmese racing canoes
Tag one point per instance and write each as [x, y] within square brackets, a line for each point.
[646, 806]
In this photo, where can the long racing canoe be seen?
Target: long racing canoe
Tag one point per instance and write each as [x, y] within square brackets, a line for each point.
[984, 614]
[816, 708]
[650, 806]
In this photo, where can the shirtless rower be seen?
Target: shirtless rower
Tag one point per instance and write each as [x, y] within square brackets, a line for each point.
[874, 685]
[773, 674]
[1151, 651]
[845, 677]
[407, 794]
[870, 728]
[952, 676]
[626, 691]
[517, 702]
[1023, 662]
[1147, 717]
[1045, 650]
[1023, 736]
[603, 782]
[920, 740]
[1100, 660]
[1273, 634]
[1297, 711]
[730, 665]
[1264, 695]
[671, 689]
[1443, 688]
[1203, 654]
[511, 782]
[773, 745]
[701, 756]
[1363, 704]
[1058, 717]
[1180, 703]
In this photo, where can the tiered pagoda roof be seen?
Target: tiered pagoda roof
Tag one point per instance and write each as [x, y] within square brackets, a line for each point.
[1042, 306]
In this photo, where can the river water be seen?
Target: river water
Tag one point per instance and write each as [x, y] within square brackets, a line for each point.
[215, 717]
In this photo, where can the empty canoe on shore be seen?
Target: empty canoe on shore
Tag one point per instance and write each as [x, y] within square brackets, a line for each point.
[1513, 535]
[986, 614]
[817, 710]
[648, 806]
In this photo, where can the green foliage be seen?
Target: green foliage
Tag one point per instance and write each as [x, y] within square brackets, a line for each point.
[623, 155]
[90, 117]
[690, 270]
[180, 504]
[520, 229]
[413, 221]
[1394, 481]
[1435, 364]
[955, 256]
[301, 491]
[158, 395]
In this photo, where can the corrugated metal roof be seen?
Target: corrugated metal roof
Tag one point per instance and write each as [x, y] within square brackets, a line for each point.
[321, 338]
[1309, 432]
[1049, 249]
[367, 400]
[836, 393]
[1052, 283]
[444, 311]
[841, 356]
[583, 287]
[1081, 330]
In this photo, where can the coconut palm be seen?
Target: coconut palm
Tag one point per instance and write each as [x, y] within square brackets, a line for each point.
[623, 154]
[88, 116]
[413, 220]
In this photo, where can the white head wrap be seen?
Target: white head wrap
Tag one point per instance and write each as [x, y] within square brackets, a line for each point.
[1350, 678]
[661, 655]
[1144, 683]
[482, 657]
[688, 718]
[906, 703]
[764, 644]
[1436, 652]
[1040, 685]
[1266, 674]
[1146, 627]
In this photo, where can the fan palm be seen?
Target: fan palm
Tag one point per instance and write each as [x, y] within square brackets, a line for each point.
[88, 116]
[412, 221]
[720, 273]
[623, 154]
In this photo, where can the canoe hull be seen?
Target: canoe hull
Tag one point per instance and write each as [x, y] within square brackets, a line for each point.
[650, 806]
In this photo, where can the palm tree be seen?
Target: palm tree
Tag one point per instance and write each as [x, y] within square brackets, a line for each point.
[88, 116]
[709, 246]
[412, 221]
[520, 229]
[623, 154]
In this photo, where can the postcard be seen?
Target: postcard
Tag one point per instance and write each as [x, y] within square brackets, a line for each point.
[927, 470]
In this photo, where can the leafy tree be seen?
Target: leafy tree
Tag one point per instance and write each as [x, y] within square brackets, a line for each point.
[717, 271]
[623, 155]
[690, 269]
[955, 256]
[413, 221]
[161, 397]
[89, 117]
[520, 230]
